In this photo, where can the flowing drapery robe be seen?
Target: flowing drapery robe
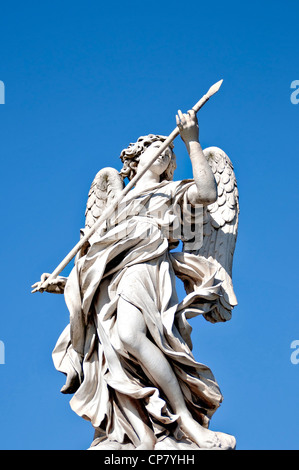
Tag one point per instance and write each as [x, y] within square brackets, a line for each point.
[131, 258]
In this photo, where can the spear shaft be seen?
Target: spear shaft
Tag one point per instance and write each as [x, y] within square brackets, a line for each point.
[110, 209]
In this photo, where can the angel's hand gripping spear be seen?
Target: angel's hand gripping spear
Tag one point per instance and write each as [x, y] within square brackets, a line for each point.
[47, 280]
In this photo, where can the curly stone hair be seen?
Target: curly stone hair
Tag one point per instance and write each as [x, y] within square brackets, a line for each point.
[130, 157]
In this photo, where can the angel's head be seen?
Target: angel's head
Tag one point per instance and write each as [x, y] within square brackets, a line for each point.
[141, 151]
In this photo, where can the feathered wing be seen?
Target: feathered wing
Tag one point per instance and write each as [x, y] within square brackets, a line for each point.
[106, 185]
[220, 227]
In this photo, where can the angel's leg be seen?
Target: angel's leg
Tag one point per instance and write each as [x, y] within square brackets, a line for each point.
[132, 333]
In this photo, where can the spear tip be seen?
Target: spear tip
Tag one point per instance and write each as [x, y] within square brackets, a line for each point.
[214, 88]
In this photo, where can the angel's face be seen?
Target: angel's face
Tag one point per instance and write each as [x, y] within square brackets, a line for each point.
[162, 162]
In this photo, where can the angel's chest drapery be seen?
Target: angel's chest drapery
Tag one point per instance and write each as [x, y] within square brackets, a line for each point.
[165, 206]
[143, 227]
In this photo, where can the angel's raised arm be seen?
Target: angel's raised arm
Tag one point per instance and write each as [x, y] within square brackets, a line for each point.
[204, 191]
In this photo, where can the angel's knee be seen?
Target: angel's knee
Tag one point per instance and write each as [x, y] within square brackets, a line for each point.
[131, 327]
[133, 343]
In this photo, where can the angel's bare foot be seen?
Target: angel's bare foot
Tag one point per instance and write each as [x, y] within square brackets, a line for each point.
[228, 442]
[205, 438]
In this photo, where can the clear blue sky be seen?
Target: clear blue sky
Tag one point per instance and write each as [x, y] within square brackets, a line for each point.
[82, 80]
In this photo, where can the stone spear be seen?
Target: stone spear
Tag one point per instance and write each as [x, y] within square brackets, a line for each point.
[110, 209]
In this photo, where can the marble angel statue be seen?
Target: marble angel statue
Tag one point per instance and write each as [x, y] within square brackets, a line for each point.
[127, 351]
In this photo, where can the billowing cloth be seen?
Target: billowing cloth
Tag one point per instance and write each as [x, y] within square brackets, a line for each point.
[131, 258]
